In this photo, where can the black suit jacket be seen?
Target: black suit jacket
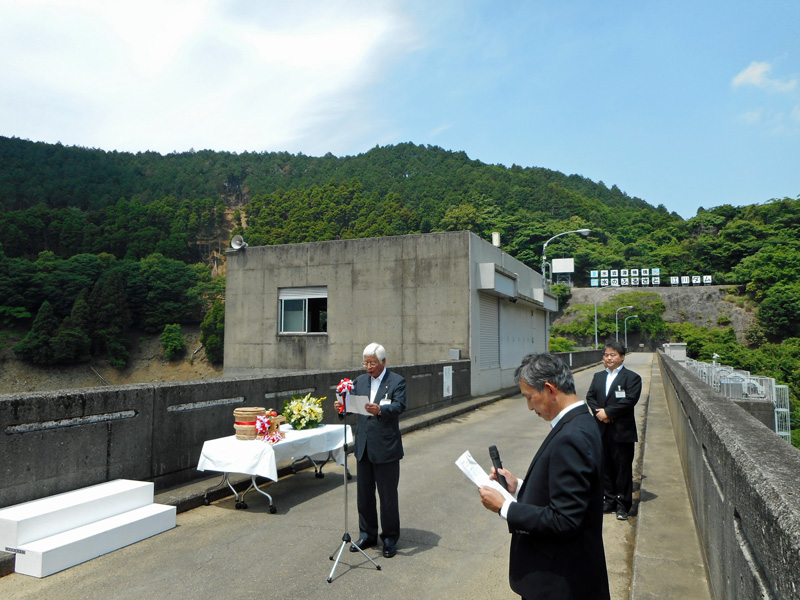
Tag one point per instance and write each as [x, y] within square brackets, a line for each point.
[557, 521]
[380, 435]
[618, 409]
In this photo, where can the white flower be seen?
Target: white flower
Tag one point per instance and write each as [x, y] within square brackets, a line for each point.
[303, 413]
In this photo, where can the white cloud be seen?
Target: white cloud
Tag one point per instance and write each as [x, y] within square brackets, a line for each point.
[222, 74]
[758, 74]
[440, 129]
[751, 117]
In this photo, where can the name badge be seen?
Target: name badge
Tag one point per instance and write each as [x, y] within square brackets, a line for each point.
[619, 393]
[385, 401]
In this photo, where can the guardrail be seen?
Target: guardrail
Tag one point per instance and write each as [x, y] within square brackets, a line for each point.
[747, 390]
[743, 487]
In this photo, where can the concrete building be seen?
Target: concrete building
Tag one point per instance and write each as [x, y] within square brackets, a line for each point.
[426, 298]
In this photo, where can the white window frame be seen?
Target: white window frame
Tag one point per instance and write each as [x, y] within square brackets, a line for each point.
[302, 294]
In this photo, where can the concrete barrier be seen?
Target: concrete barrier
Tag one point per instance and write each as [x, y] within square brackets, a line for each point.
[54, 442]
[744, 488]
[583, 358]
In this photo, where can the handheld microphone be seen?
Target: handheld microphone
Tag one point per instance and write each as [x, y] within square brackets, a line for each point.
[495, 456]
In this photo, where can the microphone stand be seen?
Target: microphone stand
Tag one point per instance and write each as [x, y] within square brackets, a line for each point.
[346, 539]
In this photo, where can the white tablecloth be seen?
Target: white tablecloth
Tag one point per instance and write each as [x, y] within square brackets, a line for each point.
[255, 457]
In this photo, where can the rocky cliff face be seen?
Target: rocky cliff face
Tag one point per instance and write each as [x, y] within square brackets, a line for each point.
[700, 305]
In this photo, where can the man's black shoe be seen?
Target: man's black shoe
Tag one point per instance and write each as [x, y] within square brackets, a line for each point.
[363, 543]
[389, 549]
[608, 507]
[622, 514]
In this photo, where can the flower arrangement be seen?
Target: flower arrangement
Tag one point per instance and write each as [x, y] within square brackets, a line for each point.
[303, 412]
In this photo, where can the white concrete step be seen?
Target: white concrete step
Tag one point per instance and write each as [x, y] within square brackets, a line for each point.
[23, 523]
[49, 555]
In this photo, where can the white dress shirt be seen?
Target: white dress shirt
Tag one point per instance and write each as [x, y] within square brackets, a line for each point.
[610, 377]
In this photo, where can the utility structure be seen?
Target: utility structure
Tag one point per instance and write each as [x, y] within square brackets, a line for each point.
[616, 321]
[625, 328]
[583, 232]
[595, 315]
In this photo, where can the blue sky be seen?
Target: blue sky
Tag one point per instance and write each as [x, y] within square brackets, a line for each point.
[681, 103]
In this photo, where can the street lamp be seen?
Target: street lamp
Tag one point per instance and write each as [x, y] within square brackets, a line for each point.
[625, 323]
[583, 232]
[595, 316]
[616, 321]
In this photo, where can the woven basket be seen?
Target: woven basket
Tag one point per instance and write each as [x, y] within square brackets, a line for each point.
[245, 421]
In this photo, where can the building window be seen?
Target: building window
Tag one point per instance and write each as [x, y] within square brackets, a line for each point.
[303, 310]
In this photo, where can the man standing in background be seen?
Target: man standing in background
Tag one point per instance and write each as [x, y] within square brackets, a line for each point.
[612, 397]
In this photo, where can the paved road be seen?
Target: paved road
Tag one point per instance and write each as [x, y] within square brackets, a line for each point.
[450, 546]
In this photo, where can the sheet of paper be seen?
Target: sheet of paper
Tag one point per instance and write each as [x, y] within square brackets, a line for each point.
[355, 404]
[477, 475]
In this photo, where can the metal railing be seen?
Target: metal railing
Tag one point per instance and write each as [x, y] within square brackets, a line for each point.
[737, 384]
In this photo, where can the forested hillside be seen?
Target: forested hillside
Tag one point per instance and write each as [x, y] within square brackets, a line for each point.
[99, 243]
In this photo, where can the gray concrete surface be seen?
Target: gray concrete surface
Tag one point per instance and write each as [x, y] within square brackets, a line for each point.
[450, 546]
[667, 559]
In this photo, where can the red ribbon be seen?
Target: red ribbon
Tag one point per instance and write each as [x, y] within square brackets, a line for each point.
[244, 422]
[262, 424]
[345, 385]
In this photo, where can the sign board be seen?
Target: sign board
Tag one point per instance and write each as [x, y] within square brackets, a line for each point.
[563, 265]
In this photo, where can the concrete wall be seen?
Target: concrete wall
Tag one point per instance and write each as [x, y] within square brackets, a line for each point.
[408, 293]
[744, 488]
[582, 358]
[59, 441]
[415, 294]
[522, 323]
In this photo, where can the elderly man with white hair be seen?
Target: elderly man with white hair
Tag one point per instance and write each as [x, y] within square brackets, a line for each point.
[378, 451]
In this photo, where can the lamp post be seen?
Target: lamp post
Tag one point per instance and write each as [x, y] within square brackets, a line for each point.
[616, 321]
[595, 317]
[625, 323]
[583, 232]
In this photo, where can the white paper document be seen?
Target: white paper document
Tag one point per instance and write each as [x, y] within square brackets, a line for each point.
[477, 475]
[356, 404]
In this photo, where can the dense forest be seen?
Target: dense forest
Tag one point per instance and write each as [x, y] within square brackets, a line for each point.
[96, 244]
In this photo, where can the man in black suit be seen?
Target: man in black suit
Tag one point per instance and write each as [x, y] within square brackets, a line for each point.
[556, 521]
[613, 394]
[378, 451]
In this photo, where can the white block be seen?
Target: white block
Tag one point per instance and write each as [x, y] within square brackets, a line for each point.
[49, 555]
[44, 517]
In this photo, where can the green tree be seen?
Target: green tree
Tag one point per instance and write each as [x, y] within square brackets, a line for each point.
[461, 218]
[10, 315]
[779, 313]
[168, 282]
[562, 292]
[111, 318]
[561, 344]
[172, 341]
[35, 347]
[71, 343]
[213, 333]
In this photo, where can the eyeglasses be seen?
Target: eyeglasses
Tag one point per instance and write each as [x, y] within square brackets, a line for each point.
[369, 363]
